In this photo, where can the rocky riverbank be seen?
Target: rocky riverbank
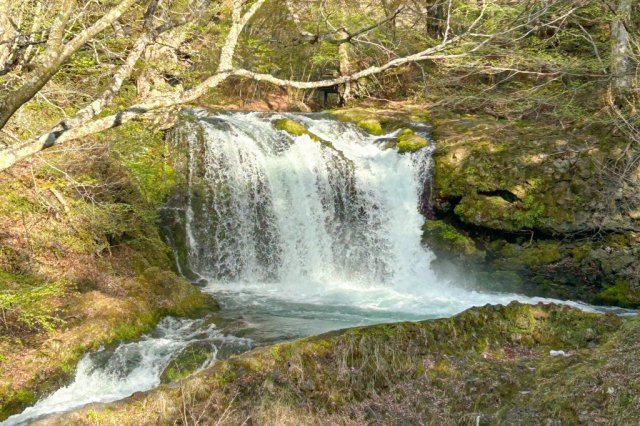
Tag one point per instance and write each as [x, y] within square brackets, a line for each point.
[488, 365]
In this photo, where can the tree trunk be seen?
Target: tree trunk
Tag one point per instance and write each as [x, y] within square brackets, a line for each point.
[7, 33]
[345, 91]
[11, 101]
[621, 62]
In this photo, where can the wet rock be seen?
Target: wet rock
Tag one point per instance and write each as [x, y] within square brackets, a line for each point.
[188, 361]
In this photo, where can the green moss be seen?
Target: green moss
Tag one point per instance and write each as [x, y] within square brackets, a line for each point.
[444, 237]
[619, 241]
[372, 126]
[130, 331]
[543, 253]
[188, 361]
[409, 141]
[581, 252]
[17, 203]
[497, 213]
[16, 400]
[294, 128]
[621, 293]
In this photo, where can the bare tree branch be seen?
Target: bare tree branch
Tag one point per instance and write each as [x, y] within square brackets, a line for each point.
[56, 55]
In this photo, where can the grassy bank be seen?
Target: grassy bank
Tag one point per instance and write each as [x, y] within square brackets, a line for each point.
[82, 263]
[491, 364]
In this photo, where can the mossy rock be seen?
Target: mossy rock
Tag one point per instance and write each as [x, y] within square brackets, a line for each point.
[543, 253]
[294, 128]
[297, 129]
[581, 252]
[621, 293]
[446, 239]
[556, 194]
[188, 361]
[372, 126]
[495, 212]
[410, 141]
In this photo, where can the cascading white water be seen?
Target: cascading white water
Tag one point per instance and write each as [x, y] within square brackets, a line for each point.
[292, 214]
[324, 233]
[110, 375]
[293, 211]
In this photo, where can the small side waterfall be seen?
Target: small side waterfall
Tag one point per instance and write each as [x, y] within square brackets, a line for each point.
[293, 213]
[112, 374]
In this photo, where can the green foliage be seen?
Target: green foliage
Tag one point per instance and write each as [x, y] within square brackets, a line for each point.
[31, 308]
[143, 153]
[15, 399]
[82, 63]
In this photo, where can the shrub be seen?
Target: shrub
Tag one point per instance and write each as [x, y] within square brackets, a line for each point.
[31, 310]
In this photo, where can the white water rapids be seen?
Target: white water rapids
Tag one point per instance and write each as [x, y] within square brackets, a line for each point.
[294, 237]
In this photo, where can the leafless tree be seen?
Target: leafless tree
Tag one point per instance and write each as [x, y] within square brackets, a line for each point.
[468, 40]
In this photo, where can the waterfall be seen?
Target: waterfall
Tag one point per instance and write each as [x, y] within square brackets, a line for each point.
[295, 235]
[270, 209]
[331, 221]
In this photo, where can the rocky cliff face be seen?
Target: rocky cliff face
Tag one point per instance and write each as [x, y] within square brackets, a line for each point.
[528, 206]
[556, 211]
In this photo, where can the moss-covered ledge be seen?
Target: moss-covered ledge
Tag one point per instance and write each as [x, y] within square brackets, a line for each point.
[445, 240]
[491, 363]
[534, 198]
[410, 141]
[294, 128]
